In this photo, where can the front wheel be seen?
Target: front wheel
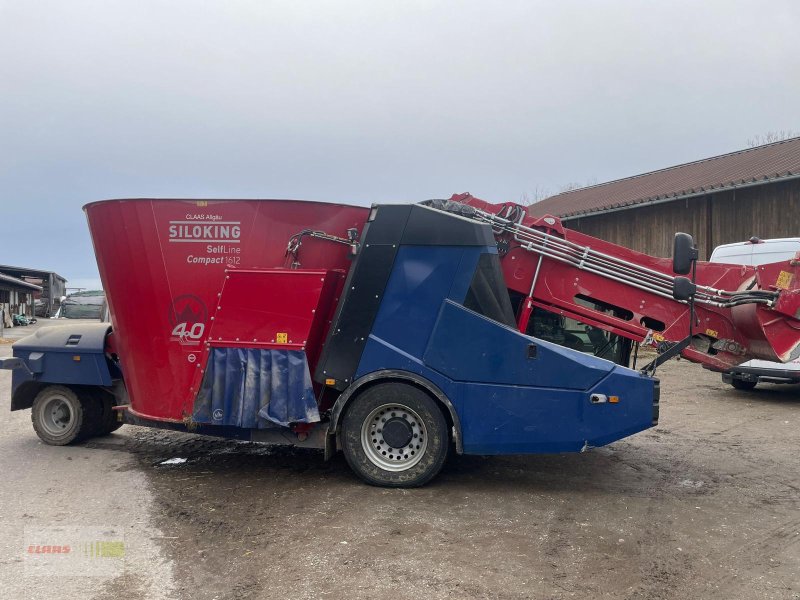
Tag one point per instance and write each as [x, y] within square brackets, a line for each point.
[394, 435]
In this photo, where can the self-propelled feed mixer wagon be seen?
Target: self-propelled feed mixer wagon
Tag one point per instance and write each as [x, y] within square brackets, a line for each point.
[392, 333]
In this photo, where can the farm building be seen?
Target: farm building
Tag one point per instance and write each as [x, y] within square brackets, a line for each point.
[723, 199]
[16, 298]
[52, 287]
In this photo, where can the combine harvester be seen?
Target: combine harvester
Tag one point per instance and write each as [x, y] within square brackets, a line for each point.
[391, 333]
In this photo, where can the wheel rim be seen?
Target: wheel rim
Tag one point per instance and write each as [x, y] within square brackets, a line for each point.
[394, 437]
[57, 416]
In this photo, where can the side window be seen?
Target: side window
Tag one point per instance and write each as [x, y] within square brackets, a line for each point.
[570, 333]
[488, 294]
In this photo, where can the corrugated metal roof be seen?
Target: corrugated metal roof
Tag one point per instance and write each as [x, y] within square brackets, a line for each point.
[18, 282]
[31, 272]
[754, 166]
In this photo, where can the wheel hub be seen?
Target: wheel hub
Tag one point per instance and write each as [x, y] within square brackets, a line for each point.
[394, 437]
[56, 416]
[397, 432]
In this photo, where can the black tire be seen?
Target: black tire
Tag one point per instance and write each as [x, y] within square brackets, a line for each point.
[107, 418]
[741, 384]
[60, 417]
[418, 429]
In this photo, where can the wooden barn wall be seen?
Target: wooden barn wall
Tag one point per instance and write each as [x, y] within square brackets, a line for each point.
[648, 229]
[766, 211]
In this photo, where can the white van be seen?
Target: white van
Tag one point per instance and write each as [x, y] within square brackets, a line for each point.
[753, 253]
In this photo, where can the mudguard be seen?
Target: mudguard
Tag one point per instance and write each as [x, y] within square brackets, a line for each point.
[65, 354]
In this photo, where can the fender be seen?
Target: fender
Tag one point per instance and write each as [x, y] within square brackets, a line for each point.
[391, 375]
[62, 354]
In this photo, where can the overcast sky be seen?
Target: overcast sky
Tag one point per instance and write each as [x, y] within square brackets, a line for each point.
[365, 102]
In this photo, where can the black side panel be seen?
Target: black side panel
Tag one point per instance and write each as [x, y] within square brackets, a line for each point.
[430, 227]
[388, 224]
[362, 296]
[391, 226]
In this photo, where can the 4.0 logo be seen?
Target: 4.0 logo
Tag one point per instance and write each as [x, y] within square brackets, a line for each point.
[183, 331]
[188, 316]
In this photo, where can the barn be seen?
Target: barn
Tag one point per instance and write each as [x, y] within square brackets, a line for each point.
[723, 199]
[51, 287]
[16, 298]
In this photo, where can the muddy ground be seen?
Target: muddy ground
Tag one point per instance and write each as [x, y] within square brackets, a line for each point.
[706, 505]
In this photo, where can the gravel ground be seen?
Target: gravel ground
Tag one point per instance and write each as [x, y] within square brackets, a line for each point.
[706, 505]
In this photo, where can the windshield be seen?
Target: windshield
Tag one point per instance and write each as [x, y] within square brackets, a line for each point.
[488, 294]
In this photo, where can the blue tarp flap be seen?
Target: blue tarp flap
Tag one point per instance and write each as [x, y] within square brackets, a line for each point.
[255, 389]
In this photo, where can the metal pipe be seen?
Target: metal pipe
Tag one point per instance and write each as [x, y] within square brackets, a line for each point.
[525, 234]
[611, 267]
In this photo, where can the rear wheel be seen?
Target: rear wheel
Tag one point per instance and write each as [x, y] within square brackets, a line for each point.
[107, 421]
[60, 417]
[394, 435]
[741, 384]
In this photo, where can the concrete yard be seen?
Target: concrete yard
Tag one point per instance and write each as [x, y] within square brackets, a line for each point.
[705, 505]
